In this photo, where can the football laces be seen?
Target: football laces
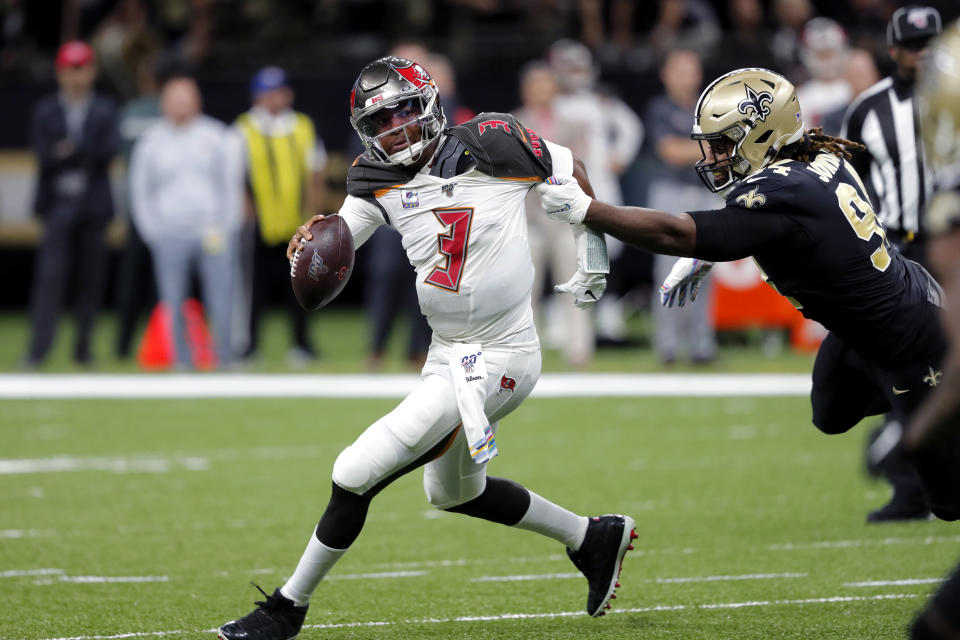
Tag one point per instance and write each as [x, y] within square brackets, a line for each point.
[296, 257]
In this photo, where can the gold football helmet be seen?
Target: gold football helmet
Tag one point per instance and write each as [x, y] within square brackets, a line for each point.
[938, 101]
[757, 111]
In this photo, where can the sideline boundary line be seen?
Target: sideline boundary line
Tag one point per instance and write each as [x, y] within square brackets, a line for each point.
[531, 616]
[551, 385]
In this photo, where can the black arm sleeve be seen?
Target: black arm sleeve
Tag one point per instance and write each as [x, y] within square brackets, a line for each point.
[733, 233]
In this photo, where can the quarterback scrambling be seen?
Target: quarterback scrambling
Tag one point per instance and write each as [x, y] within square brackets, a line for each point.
[796, 205]
[456, 197]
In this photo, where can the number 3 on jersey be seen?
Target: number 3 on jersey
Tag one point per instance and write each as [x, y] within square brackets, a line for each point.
[453, 247]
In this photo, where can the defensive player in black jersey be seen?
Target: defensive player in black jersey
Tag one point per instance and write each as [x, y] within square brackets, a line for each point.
[796, 205]
[456, 196]
[939, 417]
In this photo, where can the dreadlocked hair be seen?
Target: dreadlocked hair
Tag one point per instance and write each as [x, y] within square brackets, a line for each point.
[814, 141]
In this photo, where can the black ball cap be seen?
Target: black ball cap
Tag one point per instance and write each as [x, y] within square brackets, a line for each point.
[913, 23]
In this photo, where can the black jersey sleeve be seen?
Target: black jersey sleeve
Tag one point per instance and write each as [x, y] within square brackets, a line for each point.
[733, 233]
[503, 147]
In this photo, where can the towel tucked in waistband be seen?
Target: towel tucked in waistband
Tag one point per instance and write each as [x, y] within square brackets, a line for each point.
[469, 372]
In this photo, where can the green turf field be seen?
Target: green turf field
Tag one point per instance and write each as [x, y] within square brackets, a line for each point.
[751, 524]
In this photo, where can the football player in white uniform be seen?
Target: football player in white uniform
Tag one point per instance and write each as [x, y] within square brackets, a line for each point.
[456, 197]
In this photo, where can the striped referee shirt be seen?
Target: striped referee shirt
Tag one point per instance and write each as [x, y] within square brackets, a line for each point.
[883, 119]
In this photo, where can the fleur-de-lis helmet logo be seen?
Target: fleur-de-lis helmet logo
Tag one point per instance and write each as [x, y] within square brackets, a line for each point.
[759, 103]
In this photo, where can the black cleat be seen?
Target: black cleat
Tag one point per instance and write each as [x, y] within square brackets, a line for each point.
[275, 618]
[600, 558]
[901, 510]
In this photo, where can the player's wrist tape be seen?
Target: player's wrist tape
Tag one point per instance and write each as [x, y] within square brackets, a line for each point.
[592, 256]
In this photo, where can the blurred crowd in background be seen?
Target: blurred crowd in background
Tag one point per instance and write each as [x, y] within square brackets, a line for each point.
[178, 144]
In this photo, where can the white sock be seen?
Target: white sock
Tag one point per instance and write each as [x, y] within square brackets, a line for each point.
[554, 521]
[315, 563]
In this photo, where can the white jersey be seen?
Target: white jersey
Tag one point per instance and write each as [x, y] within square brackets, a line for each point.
[466, 236]
[819, 98]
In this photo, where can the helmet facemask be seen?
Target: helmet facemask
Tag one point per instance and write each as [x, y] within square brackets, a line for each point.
[723, 173]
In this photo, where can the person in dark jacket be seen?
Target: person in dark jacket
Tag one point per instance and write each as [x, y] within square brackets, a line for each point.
[74, 134]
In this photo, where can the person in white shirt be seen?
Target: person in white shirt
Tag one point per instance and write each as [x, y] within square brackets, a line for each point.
[553, 249]
[456, 197]
[614, 135]
[185, 188]
[824, 54]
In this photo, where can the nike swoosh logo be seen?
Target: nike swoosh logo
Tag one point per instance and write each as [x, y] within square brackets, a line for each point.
[758, 178]
[900, 392]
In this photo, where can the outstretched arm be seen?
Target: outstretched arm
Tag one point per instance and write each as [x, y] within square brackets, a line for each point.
[730, 233]
[649, 229]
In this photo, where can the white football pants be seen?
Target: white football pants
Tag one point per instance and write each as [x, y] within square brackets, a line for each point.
[429, 414]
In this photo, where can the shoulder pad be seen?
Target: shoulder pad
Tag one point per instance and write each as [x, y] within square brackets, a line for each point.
[366, 177]
[503, 148]
[775, 186]
[451, 159]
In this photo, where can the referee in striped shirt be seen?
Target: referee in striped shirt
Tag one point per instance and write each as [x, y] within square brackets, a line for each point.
[883, 118]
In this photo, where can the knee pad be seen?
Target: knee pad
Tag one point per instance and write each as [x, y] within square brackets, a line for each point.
[352, 470]
[374, 456]
[444, 493]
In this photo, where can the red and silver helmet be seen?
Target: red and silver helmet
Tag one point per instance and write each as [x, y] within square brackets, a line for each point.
[391, 95]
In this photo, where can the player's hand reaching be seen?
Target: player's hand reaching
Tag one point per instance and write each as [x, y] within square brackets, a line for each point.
[302, 235]
[586, 288]
[563, 199]
[685, 275]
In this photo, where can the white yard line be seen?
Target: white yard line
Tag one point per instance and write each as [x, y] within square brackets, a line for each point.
[532, 576]
[26, 533]
[534, 616]
[893, 583]
[111, 579]
[61, 464]
[846, 544]
[378, 576]
[564, 576]
[746, 576]
[18, 386]
[15, 573]
[464, 562]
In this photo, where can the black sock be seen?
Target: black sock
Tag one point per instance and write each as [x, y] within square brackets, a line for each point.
[502, 501]
[343, 520]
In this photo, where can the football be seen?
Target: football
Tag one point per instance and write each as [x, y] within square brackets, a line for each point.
[321, 267]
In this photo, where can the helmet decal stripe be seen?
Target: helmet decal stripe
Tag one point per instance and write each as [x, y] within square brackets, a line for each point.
[416, 75]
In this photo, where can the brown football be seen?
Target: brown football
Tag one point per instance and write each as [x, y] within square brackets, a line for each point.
[321, 267]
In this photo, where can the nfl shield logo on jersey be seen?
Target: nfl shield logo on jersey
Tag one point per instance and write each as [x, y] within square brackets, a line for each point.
[468, 362]
[409, 199]
[448, 189]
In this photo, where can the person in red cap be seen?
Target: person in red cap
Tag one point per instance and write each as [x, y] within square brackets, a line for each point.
[74, 134]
